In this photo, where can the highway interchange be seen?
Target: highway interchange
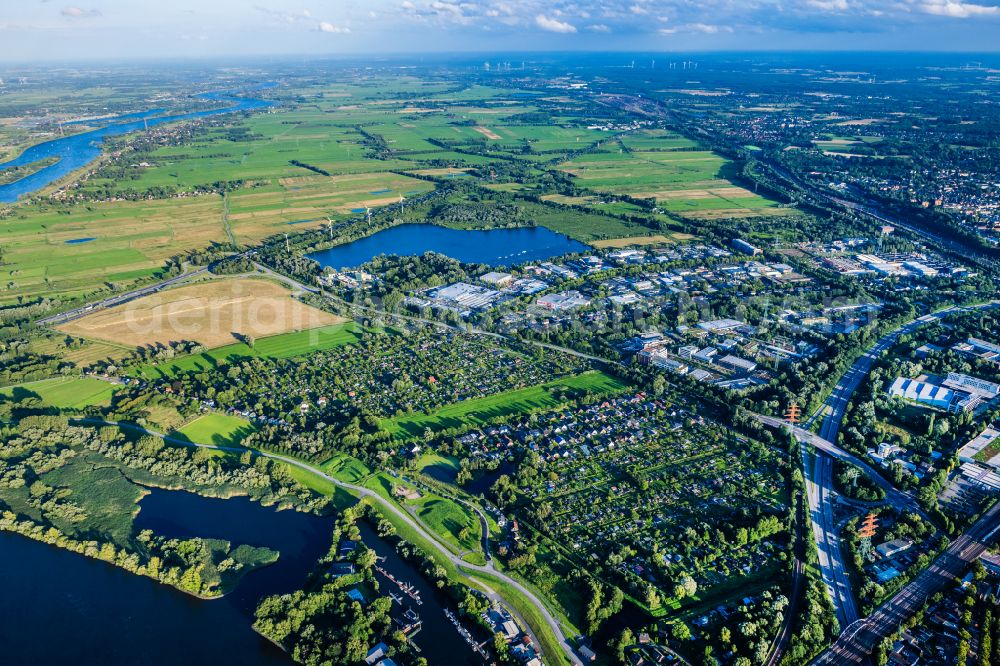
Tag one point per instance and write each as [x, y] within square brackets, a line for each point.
[858, 637]
[856, 643]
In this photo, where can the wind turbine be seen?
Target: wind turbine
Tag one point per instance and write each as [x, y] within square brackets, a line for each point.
[402, 207]
[368, 214]
[329, 227]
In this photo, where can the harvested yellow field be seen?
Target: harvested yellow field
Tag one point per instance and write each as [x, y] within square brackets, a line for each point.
[488, 133]
[82, 355]
[444, 171]
[723, 213]
[618, 243]
[568, 200]
[213, 313]
[305, 202]
[859, 122]
[724, 192]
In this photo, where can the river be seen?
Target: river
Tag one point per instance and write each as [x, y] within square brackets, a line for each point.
[60, 607]
[79, 150]
[494, 247]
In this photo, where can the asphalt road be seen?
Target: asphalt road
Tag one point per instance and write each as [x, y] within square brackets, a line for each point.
[830, 554]
[819, 478]
[118, 299]
[819, 486]
[442, 551]
[856, 643]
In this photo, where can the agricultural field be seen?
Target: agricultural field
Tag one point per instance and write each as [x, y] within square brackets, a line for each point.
[76, 251]
[283, 345]
[259, 149]
[72, 393]
[215, 429]
[307, 201]
[211, 313]
[681, 178]
[640, 241]
[78, 351]
[523, 401]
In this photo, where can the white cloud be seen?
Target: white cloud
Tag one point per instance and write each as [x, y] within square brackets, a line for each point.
[554, 25]
[77, 12]
[703, 28]
[955, 9]
[638, 9]
[829, 5]
[326, 26]
[598, 27]
[446, 7]
[284, 17]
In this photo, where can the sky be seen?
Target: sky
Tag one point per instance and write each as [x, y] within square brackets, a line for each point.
[33, 30]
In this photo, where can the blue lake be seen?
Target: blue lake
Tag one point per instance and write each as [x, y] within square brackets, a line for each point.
[77, 151]
[60, 607]
[495, 247]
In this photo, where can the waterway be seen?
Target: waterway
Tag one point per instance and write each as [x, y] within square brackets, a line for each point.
[494, 247]
[79, 150]
[60, 607]
[438, 640]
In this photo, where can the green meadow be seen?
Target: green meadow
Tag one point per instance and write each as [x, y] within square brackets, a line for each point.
[215, 429]
[522, 401]
[284, 345]
[62, 392]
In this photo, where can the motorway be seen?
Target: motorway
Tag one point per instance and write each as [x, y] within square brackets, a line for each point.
[856, 643]
[832, 566]
[118, 299]
[819, 477]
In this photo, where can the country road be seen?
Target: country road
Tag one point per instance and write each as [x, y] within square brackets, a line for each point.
[362, 492]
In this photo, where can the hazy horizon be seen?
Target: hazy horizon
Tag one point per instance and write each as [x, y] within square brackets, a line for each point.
[47, 30]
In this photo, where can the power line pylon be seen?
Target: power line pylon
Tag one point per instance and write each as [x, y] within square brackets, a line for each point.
[865, 533]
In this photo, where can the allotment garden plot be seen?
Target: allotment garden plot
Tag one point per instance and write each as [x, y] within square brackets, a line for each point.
[388, 374]
[655, 494]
